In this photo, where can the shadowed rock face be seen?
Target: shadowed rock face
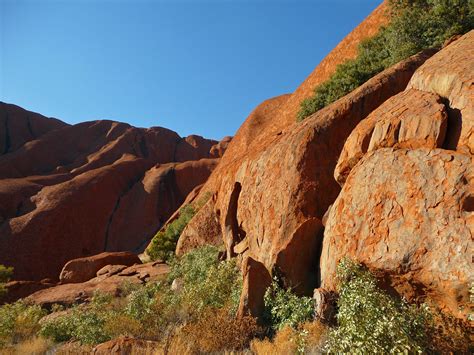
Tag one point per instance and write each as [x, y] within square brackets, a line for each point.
[73, 191]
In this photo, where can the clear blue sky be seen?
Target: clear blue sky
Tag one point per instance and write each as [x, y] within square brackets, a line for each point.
[191, 66]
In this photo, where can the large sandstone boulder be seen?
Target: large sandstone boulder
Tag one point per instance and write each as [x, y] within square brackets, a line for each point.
[449, 74]
[408, 214]
[84, 269]
[405, 208]
[411, 119]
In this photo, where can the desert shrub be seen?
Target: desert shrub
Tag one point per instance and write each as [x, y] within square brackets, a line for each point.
[415, 25]
[207, 282]
[33, 345]
[308, 337]
[19, 321]
[5, 274]
[215, 330]
[83, 323]
[284, 308]
[163, 244]
[371, 321]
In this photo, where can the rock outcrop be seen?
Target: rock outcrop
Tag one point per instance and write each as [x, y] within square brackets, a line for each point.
[407, 213]
[72, 191]
[405, 209]
[277, 181]
[109, 280]
[270, 208]
[84, 269]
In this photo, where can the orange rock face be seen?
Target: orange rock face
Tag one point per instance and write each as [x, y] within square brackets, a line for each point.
[73, 191]
[406, 208]
[270, 205]
[409, 214]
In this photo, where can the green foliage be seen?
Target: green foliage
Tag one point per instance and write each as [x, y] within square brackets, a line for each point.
[370, 321]
[18, 321]
[5, 274]
[163, 244]
[284, 308]
[149, 311]
[84, 323]
[415, 25]
[207, 282]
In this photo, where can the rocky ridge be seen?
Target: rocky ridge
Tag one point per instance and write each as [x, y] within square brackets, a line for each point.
[72, 191]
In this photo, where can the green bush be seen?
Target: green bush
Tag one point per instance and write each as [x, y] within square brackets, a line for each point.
[207, 282]
[83, 323]
[370, 321]
[18, 321]
[163, 244]
[284, 308]
[415, 25]
[5, 274]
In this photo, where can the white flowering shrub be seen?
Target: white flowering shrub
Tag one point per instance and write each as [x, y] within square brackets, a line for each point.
[370, 321]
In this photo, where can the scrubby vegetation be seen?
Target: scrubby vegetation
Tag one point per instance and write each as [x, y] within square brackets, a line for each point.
[283, 308]
[163, 244]
[370, 321]
[415, 25]
[193, 311]
[5, 274]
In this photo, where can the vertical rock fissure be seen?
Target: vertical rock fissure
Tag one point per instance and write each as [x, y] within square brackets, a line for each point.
[232, 235]
[454, 127]
[117, 204]
[28, 125]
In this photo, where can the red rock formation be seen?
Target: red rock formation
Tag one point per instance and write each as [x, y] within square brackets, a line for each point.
[79, 190]
[84, 269]
[405, 209]
[108, 281]
[270, 120]
[19, 126]
[271, 207]
[413, 223]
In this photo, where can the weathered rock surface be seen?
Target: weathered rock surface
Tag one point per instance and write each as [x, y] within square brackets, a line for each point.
[72, 191]
[84, 269]
[107, 283]
[407, 214]
[411, 119]
[204, 230]
[270, 203]
[22, 289]
[450, 74]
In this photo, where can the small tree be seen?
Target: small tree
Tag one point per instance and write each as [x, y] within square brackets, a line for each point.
[5, 275]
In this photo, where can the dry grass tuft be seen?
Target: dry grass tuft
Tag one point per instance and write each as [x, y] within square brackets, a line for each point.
[214, 331]
[309, 337]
